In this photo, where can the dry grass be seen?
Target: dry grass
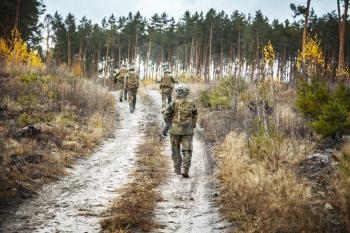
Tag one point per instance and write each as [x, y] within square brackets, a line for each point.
[261, 197]
[134, 207]
[71, 115]
[343, 183]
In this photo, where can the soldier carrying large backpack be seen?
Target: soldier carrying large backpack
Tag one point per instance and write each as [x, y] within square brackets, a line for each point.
[166, 85]
[131, 85]
[181, 116]
[120, 81]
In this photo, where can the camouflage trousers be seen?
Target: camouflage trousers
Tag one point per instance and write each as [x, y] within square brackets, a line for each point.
[166, 96]
[181, 143]
[132, 99]
[122, 91]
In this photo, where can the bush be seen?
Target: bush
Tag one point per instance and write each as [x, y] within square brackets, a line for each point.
[27, 101]
[327, 107]
[25, 119]
[222, 95]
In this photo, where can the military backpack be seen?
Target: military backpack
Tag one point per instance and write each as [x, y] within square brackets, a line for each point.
[123, 72]
[167, 82]
[132, 81]
[183, 111]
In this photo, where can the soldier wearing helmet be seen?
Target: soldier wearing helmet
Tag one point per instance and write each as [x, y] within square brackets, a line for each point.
[120, 81]
[166, 85]
[181, 116]
[132, 84]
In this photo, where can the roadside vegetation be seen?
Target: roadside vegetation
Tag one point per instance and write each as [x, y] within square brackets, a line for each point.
[273, 173]
[47, 119]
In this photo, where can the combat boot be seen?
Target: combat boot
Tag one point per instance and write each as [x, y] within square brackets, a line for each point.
[177, 171]
[185, 173]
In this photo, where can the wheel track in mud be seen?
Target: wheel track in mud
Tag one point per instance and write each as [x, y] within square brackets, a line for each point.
[75, 202]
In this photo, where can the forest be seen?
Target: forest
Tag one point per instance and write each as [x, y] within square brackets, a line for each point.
[206, 45]
[269, 107]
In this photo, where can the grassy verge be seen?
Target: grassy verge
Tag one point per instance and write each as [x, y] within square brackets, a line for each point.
[260, 153]
[46, 121]
[133, 209]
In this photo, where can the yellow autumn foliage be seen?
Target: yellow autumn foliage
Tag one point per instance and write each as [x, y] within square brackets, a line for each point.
[312, 54]
[15, 51]
[269, 54]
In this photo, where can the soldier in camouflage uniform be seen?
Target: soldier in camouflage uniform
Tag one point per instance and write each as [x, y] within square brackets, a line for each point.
[166, 85]
[120, 81]
[181, 115]
[132, 84]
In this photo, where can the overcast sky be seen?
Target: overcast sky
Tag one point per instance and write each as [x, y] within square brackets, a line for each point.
[97, 9]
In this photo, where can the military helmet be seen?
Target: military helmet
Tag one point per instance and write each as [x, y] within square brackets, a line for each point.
[182, 90]
[123, 65]
[167, 71]
[131, 68]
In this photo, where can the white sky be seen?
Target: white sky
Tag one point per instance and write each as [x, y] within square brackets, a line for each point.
[97, 9]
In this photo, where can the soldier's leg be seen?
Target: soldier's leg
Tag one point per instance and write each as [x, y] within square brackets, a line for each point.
[169, 96]
[175, 141]
[130, 101]
[134, 94]
[125, 94]
[163, 99]
[120, 92]
[187, 148]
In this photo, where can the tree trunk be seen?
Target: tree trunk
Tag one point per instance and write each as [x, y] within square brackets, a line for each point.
[17, 12]
[69, 56]
[148, 57]
[209, 55]
[342, 27]
[306, 25]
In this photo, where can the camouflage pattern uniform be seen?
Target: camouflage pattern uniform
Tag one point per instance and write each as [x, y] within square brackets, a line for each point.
[132, 84]
[120, 79]
[166, 85]
[181, 114]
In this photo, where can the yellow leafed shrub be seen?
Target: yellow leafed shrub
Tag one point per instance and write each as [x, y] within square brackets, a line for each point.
[15, 51]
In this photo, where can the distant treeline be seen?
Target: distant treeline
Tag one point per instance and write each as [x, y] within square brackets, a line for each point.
[198, 43]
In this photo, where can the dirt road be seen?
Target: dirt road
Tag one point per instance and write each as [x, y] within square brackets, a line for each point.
[187, 204]
[76, 202]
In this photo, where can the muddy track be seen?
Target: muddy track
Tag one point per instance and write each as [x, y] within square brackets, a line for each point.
[75, 203]
[187, 205]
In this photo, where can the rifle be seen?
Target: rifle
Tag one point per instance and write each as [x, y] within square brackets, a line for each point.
[164, 133]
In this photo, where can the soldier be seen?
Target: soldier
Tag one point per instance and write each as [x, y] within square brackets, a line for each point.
[132, 84]
[120, 81]
[181, 116]
[166, 85]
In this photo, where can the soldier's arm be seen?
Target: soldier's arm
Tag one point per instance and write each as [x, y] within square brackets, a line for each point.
[116, 77]
[174, 80]
[168, 113]
[194, 115]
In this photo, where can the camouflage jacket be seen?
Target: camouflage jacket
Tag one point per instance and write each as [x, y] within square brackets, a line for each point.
[167, 81]
[121, 75]
[180, 128]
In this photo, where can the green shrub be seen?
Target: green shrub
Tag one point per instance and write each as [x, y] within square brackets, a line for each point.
[204, 99]
[332, 120]
[26, 119]
[27, 101]
[221, 96]
[326, 106]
